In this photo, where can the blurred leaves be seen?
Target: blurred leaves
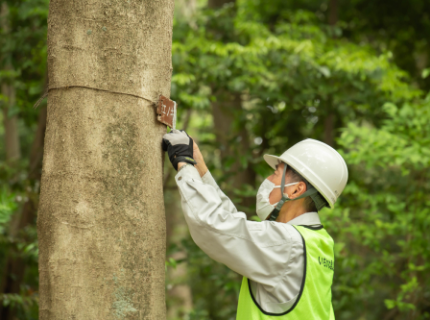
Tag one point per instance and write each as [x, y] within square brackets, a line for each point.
[291, 75]
[7, 207]
[386, 236]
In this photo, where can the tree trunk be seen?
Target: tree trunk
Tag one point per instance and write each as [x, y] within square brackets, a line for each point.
[10, 122]
[101, 220]
[329, 128]
[234, 144]
[216, 4]
[333, 12]
[13, 274]
[11, 134]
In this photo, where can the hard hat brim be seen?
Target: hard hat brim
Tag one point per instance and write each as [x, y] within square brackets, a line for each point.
[272, 160]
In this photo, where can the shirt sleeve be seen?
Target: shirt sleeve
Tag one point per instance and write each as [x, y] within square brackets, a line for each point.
[256, 250]
[226, 202]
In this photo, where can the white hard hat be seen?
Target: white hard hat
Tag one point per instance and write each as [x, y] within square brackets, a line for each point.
[321, 165]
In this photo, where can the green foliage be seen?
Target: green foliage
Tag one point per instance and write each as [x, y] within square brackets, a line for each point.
[23, 62]
[291, 75]
[23, 66]
[383, 217]
[23, 302]
[7, 207]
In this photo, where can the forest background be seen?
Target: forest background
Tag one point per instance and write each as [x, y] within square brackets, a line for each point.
[254, 77]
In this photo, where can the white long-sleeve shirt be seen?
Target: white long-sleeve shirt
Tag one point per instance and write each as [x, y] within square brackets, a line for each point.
[268, 253]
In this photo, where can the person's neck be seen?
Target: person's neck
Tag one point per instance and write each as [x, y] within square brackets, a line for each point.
[291, 210]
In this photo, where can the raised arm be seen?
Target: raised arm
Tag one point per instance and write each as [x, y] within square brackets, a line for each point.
[257, 250]
[207, 177]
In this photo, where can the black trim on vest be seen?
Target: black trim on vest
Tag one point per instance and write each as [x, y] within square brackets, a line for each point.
[301, 287]
[312, 227]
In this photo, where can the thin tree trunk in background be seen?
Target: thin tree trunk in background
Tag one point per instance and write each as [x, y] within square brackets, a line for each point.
[329, 121]
[216, 4]
[234, 144]
[224, 111]
[333, 12]
[101, 220]
[11, 134]
[13, 274]
[329, 129]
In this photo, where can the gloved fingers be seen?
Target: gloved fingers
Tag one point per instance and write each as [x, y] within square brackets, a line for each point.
[165, 144]
[176, 137]
[191, 145]
[174, 162]
[172, 132]
[179, 147]
[186, 134]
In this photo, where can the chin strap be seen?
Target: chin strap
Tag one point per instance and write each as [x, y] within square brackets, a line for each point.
[310, 192]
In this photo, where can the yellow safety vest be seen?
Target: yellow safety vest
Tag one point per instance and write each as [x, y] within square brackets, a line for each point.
[314, 299]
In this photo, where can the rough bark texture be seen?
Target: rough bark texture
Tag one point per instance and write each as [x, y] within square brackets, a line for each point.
[101, 217]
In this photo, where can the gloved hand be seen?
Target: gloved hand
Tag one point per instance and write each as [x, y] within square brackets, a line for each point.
[179, 147]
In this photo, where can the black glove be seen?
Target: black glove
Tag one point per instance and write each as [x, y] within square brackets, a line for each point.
[179, 147]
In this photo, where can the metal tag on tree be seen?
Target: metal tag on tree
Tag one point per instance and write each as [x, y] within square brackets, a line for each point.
[166, 112]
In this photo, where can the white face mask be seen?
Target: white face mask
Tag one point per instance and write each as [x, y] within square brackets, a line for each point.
[264, 208]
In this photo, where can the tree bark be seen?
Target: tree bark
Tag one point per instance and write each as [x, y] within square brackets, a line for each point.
[10, 122]
[101, 220]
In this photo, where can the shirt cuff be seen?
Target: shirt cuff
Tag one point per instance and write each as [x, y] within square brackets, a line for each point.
[188, 172]
[208, 179]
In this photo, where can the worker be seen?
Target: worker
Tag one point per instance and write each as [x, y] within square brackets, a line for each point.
[287, 259]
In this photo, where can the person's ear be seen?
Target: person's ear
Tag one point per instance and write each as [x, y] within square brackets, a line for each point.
[298, 190]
